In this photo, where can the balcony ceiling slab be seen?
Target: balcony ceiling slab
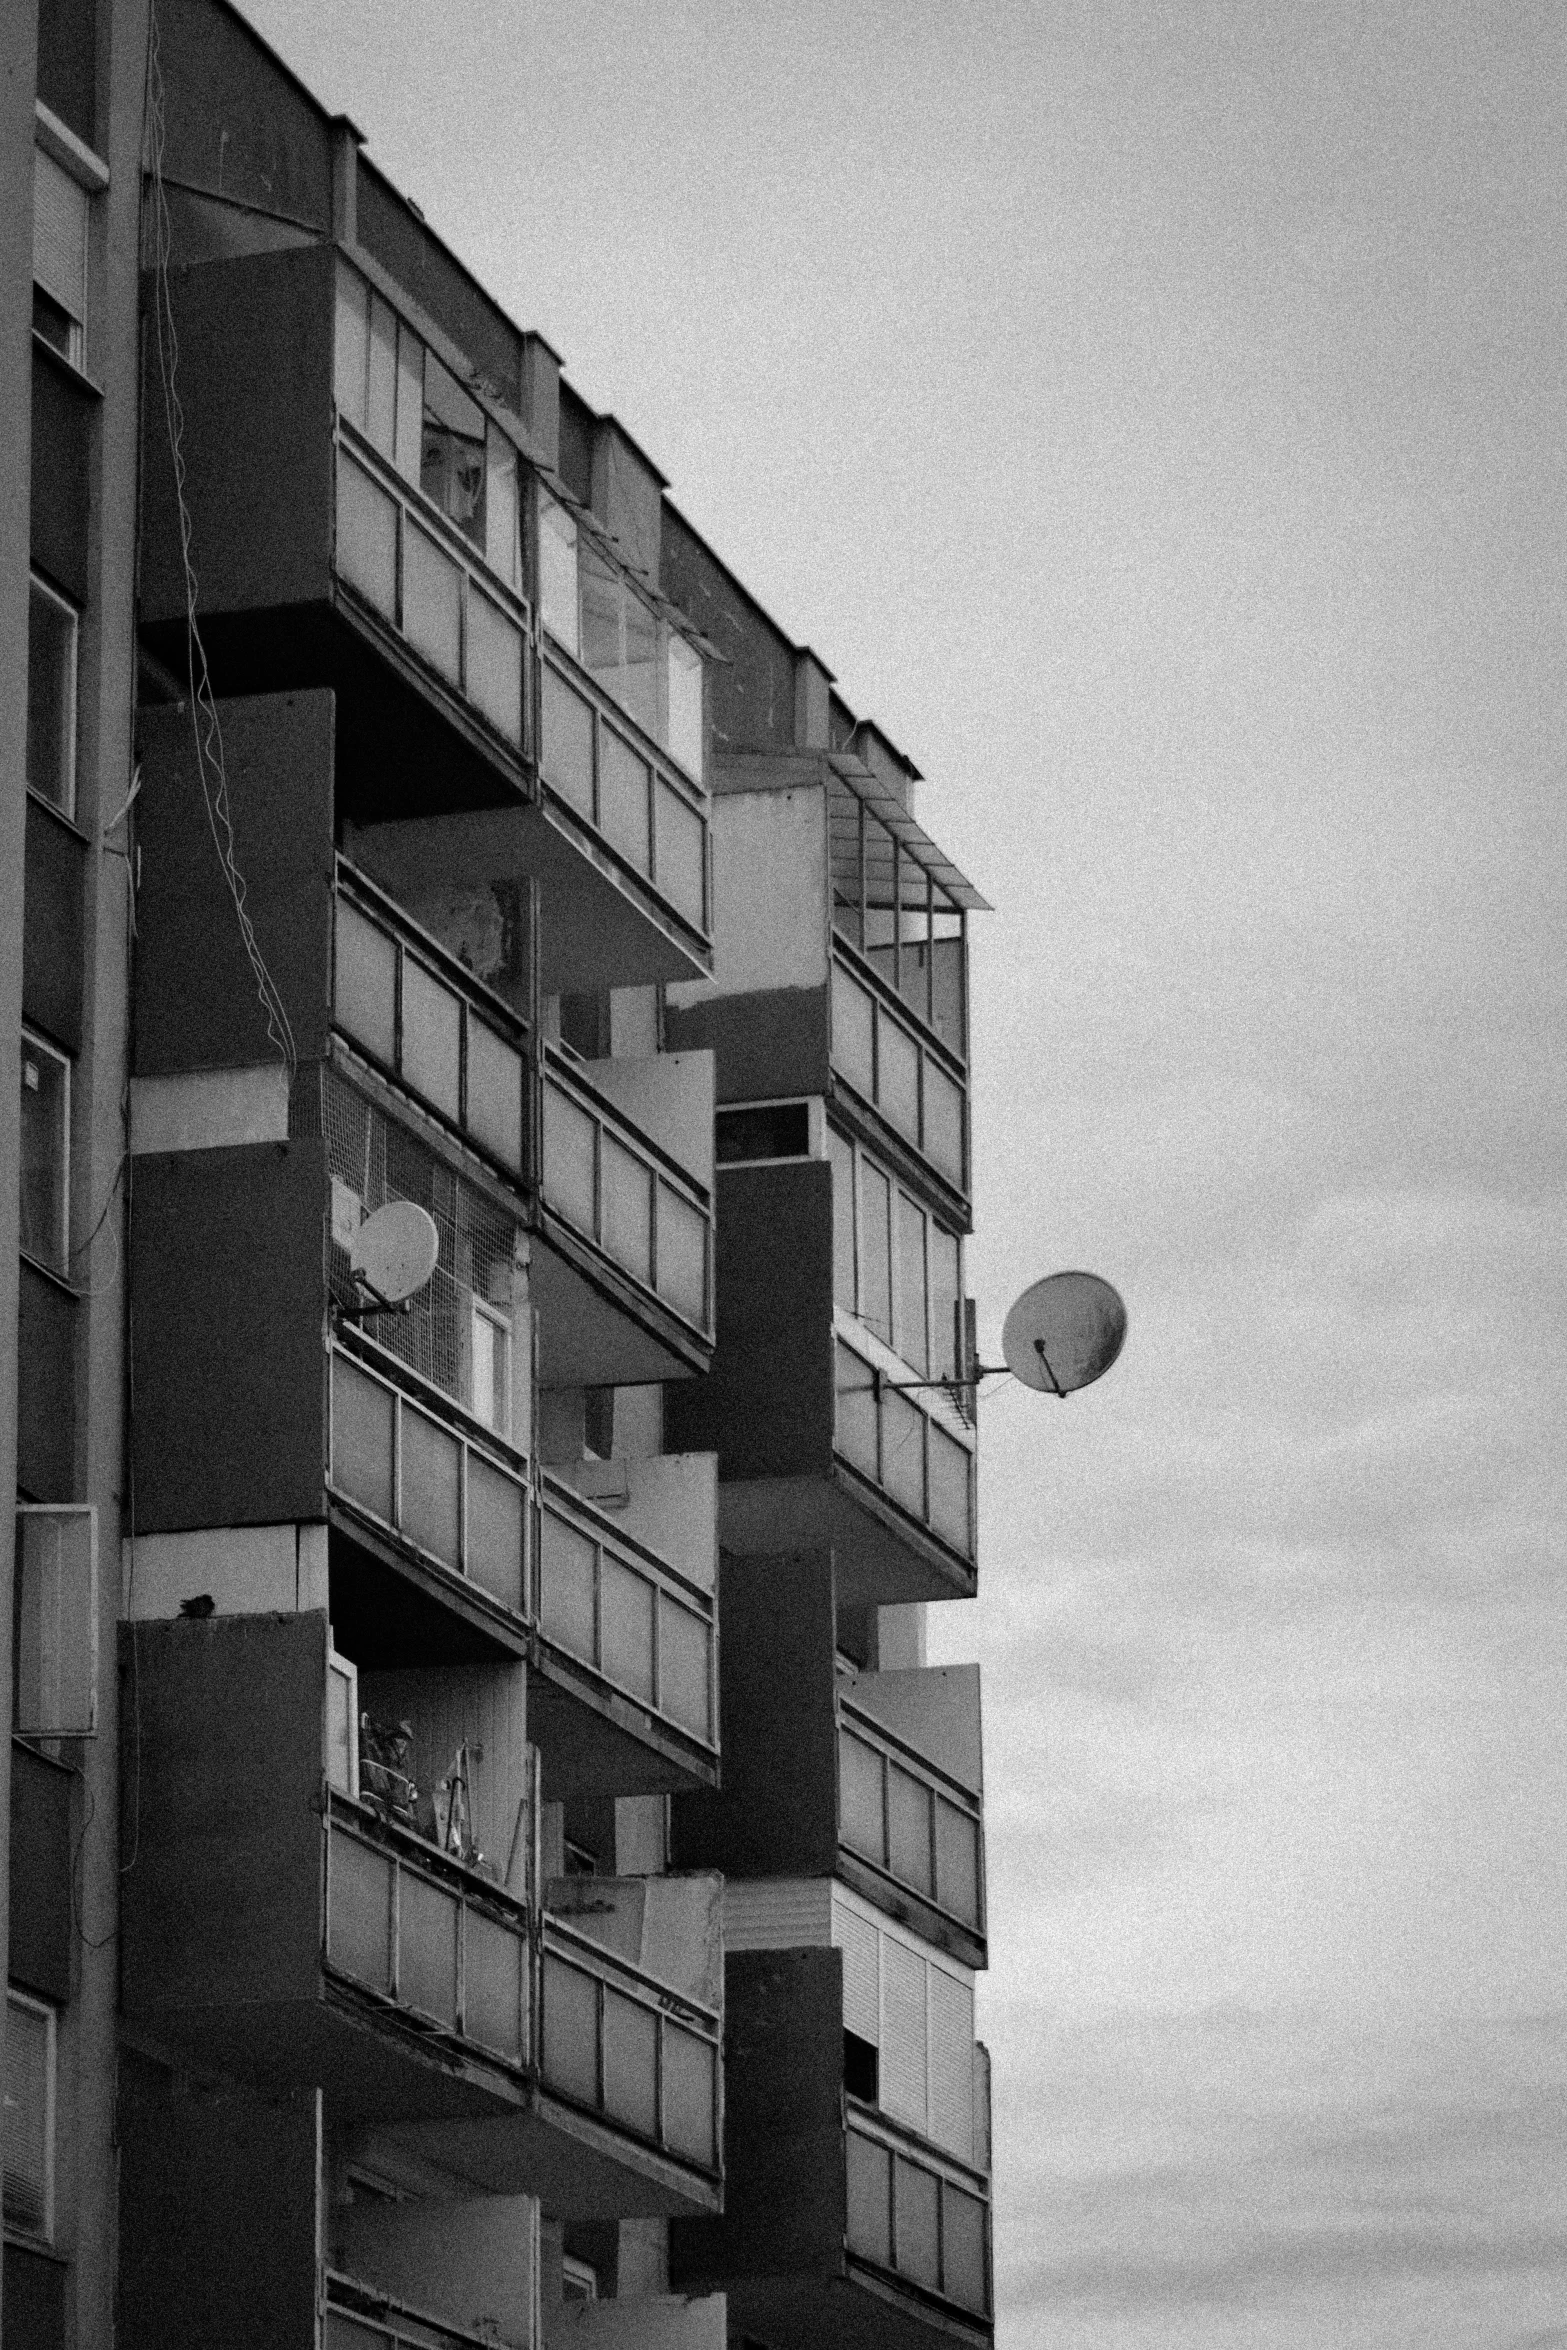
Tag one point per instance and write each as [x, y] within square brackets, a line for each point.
[579, 2168]
[882, 1560]
[590, 1336]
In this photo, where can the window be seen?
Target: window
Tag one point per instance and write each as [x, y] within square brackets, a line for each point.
[55, 1651]
[51, 696]
[29, 2117]
[592, 609]
[913, 2016]
[46, 1143]
[451, 464]
[59, 258]
[762, 1130]
[891, 908]
[578, 2282]
[490, 1384]
[558, 575]
[894, 1266]
[342, 1723]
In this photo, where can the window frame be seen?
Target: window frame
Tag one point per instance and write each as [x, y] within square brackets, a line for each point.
[44, 589]
[46, 154]
[940, 1348]
[41, 1044]
[17, 1998]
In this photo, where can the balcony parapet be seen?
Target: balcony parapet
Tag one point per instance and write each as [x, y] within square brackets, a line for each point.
[903, 1439]
[357, 2316]
[908, 1828]
[917, 2215]
[893, 1066]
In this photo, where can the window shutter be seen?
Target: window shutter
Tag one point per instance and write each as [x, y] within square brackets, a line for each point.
[27, 2066]
[857, 1938]
[952, 2064]
[903, 2034]
[59, 234]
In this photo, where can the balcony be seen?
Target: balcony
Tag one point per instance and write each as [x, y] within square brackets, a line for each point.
[911, 1831]
[841, 2229]
[624, 1280]
[916, 1087]
[824, 1435]
[355, 523]
[624, 1698]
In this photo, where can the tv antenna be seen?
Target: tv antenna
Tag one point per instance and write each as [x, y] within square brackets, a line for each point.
[391, 1258]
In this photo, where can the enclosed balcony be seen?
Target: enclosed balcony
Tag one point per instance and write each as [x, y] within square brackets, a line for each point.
[826, 1433]
[872, 1778]
[841, 2226]
[623, 1279]
[624, 1698]
[357, 520]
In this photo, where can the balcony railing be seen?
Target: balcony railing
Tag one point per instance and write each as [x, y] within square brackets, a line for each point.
[924, 2219]
[621, 1195]
[398, 553]
[412, 1009]
[622, 2046]
[423, 1932]
[892, 1438]
[357, 2316]
[606, 1601]
[906, 1820]
[595, 760]
[916, 1084]
[426, 1479]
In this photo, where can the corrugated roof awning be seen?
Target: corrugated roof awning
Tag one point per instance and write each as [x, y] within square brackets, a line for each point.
[876, 794]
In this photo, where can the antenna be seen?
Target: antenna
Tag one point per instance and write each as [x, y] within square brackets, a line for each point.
[393, 1255]
[1064, 1333]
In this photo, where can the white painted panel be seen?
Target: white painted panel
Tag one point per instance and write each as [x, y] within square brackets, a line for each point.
[215, 1109]
[861, 1947]
[778, 1913]
[902, 2090]
[951, 2064]
[669, 1098]
[244, 1570]
[770, 889]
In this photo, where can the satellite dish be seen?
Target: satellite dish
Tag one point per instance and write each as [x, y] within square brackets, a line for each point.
[394, 1252]
[1064, 1332]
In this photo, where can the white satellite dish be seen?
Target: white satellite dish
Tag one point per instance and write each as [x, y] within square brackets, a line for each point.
[394, 1252]
[1064, 1332]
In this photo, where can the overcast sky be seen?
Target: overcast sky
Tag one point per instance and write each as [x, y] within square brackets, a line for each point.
[1154, 416]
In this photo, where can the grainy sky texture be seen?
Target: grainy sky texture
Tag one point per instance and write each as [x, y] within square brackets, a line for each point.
[1154, 415]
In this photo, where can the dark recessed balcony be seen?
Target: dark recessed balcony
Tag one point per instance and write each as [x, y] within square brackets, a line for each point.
[624, 1698]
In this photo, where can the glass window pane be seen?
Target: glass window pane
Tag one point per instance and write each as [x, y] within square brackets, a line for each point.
[945, 1291]
[944, 1123]
[684, 1651]
[408, 453]
[631, 2063]
[869, 2199]
[639, 679]
[911, 1284]
[381, 391]
[567, 1560]
[908, 1828]
[351, 349]
[875, 1250]
[51, 698]
[855, 1429]
[451, 470]
[366, 536]
[494, 671]
[558, 574]
[840, 1154]
[432, 1038]
[897, 1076]
[689, 2072]
[624, 815]
[494, 1092]
[903, 1451]
[568, 1159]
[684, 733]
[489, 1372]
[427, 1947]
[501, 548]
[682, 1256]
[682, 856]
[362, 1439]
[628, 1629]
[628, 1209]
[495, 1533]
[45, 1142]
[916, 2242]
[570, 2031]
[359, 1913]
[431, 1484]
[957, 1861]
[947, 985]
[432, 603]
[853, 1054]
[859, 1797]
[365, 983]
[951, 1509]
[566, 742]
[600, 648]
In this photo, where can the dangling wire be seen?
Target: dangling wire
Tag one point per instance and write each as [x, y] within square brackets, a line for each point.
[206, 728]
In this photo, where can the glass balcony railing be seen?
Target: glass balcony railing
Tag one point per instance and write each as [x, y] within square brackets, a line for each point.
[916, 1084]
[622, 2046]
[895, 1439]
[614, 1189]
[424, 1021]
[416, 1471]
[423, 1932]
[423, 577]
[598, 763]
[910, 1824]
[925, 2220]
[357, 2316]
[609, 1603]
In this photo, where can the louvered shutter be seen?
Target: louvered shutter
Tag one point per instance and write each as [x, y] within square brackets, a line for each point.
[857, 1938]
[952, 2064]
[902, 2034]
[59, 235]
[28, 2037]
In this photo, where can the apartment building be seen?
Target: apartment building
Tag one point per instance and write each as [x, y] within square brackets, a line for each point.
[439, 1914]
